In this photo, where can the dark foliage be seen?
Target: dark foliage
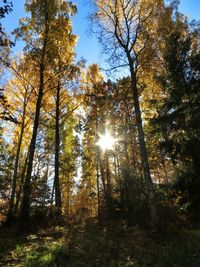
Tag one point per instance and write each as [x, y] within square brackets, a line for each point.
[180, 116]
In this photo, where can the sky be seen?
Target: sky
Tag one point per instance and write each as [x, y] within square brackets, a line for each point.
[88, 47]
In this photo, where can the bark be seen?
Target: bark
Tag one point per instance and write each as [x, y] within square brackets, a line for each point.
[68, 198]
[132, 160]
[19, 192]
[119, 179]
[108, 175]
[108, 186]
[52, 199]
[10, 214]
[27, 185]
[97, 170]
[143, 150]
[126, 139]
[102, 176]
[98, 189]
[58, 202]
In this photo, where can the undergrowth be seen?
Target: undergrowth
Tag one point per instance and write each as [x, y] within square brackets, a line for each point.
[88, 245]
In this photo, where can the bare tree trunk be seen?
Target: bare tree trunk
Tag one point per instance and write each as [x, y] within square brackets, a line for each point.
[108, 187]
[97, 170]
[27, 185]
[126, 139]
[143, 150]
[98, 190]
[132, 160]
[102, 176]
[52, 199]
[68, 197]
[10, 213]
[18, 194]
[58, 202]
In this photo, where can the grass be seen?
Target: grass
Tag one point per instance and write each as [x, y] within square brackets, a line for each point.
[44, 256]
[87, 245]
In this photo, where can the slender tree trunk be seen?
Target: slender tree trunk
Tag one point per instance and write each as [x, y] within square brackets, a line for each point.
[68, 197]
[97, 170]
[52, 199]
[143, 150]
[102, 175]
[128, 120]
[105, 176]
[98, 190]
[25, 211]
[27, 184]
[58, 202]
[10, 213]
[126, 139]
[119, 179]
[46, 183]
[18, 194]
[108, 183]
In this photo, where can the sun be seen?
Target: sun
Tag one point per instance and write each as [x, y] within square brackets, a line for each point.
[106, 141]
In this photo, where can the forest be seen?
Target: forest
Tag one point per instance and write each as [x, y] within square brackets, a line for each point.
[100, 165]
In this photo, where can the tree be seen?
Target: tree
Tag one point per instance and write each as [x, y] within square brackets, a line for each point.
[64, 42]
[21, 98]
[127, 30]
[37, 31]
[179, 113]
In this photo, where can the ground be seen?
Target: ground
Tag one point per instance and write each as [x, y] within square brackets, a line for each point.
[90, 245]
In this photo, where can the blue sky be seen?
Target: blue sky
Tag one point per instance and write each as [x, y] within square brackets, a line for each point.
[191, 8]
[88, 46]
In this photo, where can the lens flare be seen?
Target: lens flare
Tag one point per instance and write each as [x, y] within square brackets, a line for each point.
[106, 141]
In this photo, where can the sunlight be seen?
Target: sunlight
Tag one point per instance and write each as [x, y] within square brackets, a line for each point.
[106, 141]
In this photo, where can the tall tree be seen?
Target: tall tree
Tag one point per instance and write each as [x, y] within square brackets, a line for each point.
[21, 97]
[64, 42]
[37, 31]
[179, 113]
[126, 28]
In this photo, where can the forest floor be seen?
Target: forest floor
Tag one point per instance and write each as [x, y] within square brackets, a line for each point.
[88, 245]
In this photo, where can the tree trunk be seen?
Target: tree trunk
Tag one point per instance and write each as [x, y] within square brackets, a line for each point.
[52, 199]
[108, 186]
[98, 189]
[132, 160]
[101, 168]
[10, 213]
[18, 195]
[97, 170]
[58, 203]
[27, 184]
[25, 211]
[143, 150]
[68, 198]
[126, 139]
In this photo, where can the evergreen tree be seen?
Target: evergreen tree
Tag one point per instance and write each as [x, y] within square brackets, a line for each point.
[180, 114]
